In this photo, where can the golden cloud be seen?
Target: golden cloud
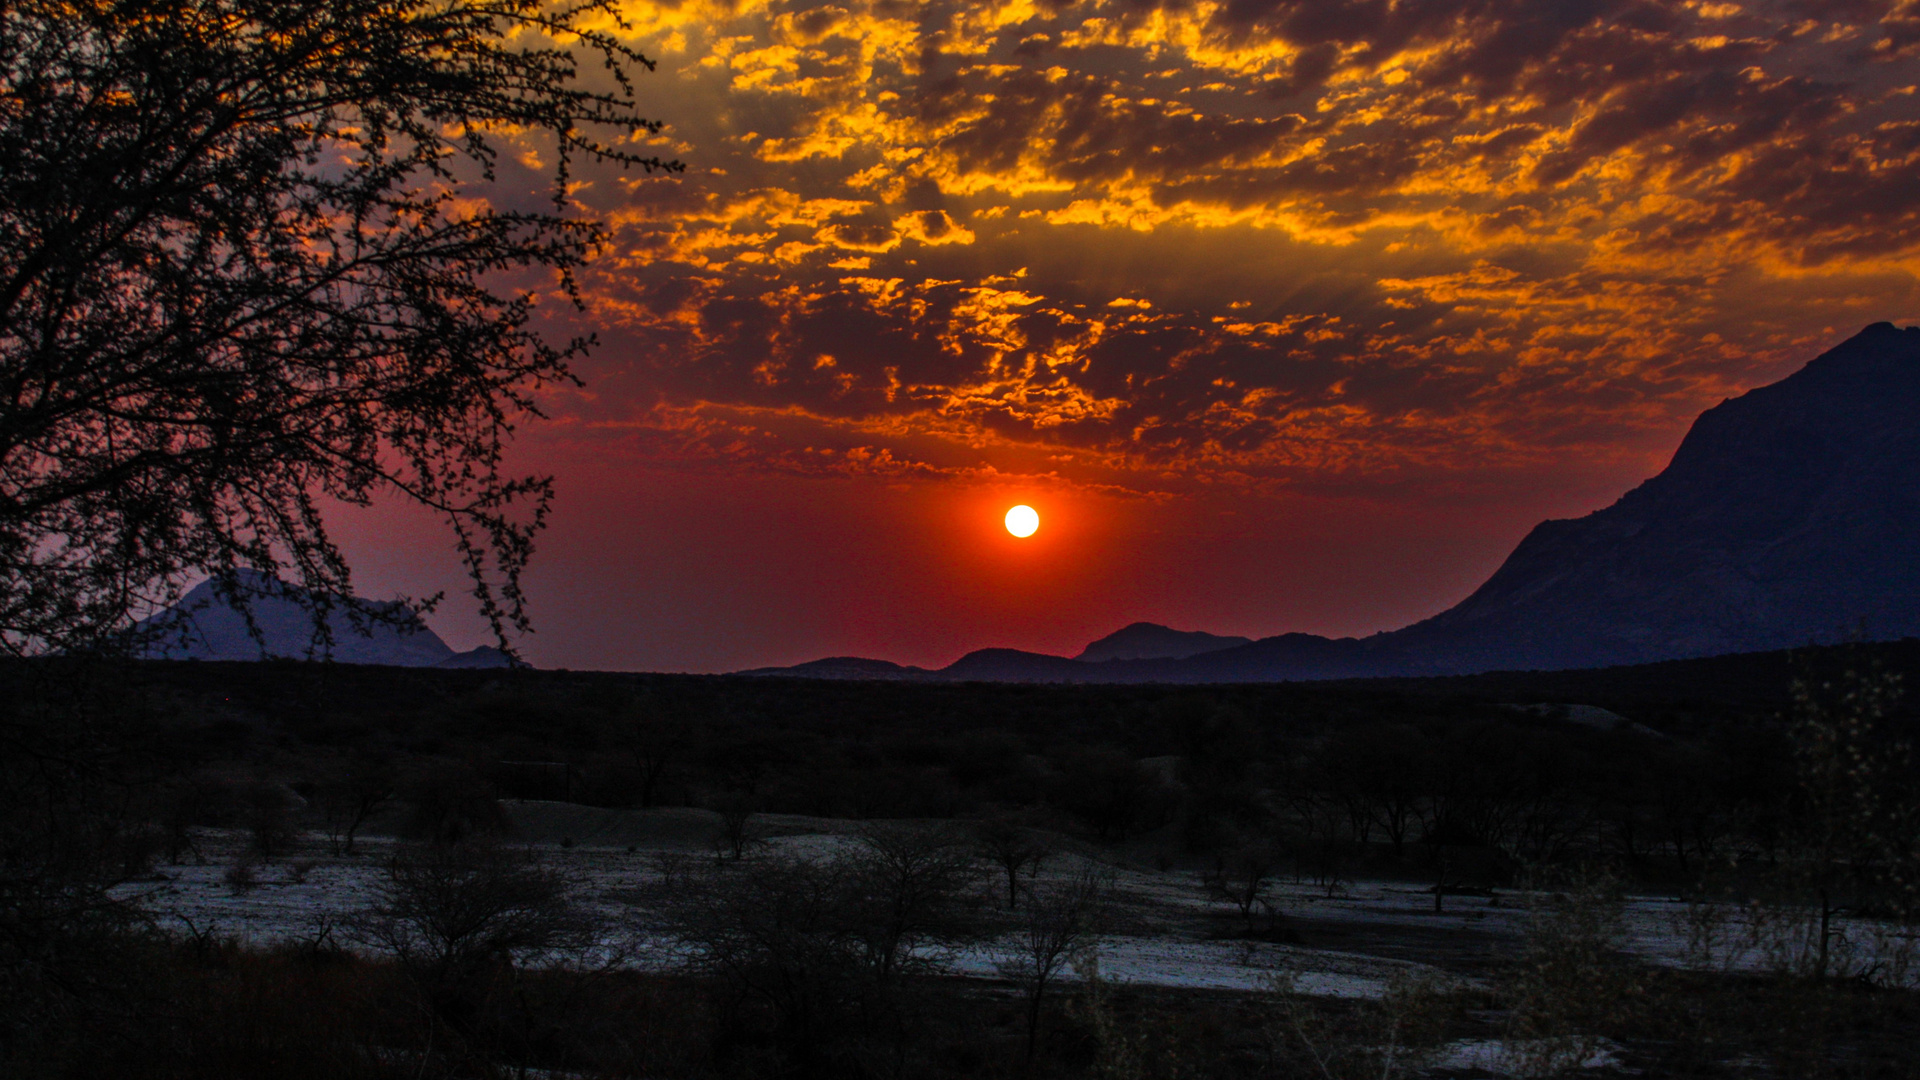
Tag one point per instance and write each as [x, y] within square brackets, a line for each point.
[1289, 241]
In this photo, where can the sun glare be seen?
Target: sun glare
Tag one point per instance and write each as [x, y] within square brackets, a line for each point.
[1022, 520]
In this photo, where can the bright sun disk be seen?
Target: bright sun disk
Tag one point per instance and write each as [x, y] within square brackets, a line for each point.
[1022, 520]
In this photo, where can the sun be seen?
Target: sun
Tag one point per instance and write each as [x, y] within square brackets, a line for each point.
[1022, 520]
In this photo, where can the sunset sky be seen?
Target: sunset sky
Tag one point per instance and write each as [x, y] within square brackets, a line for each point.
[1285, 316]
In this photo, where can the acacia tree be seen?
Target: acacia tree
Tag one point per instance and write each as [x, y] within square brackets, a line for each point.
[460, 919]
[910, 881]
[1011, 846]
[1241, 878]
[243, 272]
[1060, 922]
[824, 945]
[654, 740]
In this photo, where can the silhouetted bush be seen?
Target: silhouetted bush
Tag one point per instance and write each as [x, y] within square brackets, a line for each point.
[462, 920]
[450, 803]
[816, 956]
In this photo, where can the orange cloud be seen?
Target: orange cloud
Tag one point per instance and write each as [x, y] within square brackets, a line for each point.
[1336, 243]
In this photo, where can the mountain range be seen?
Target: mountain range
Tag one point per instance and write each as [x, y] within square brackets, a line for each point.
[1151, 641]
[1789, 515]
[207, 624]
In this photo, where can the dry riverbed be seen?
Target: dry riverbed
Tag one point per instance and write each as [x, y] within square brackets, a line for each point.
[1166, 930]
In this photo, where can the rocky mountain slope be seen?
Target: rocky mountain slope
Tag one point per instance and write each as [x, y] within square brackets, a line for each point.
[1790, 514]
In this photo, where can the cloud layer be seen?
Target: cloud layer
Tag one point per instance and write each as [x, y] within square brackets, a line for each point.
[1315, 244]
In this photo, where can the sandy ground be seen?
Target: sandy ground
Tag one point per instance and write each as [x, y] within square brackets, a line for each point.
[1167, 931]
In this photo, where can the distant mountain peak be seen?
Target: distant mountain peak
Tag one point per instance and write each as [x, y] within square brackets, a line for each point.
[1152, 641]
[1789, 514]
[211, 623]
[483, 656]
[844, 667]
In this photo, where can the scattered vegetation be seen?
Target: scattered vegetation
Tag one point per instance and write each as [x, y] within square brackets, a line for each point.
[1783, 825]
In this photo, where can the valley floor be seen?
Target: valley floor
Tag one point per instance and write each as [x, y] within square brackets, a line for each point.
[1164, 929]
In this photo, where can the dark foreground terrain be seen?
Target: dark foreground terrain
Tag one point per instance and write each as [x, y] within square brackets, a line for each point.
[1702, 868]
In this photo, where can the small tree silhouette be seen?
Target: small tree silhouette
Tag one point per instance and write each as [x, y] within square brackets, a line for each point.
[1060, 922]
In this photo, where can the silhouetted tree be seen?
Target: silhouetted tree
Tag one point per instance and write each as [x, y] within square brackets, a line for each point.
[1060, 922]
[780, 939]
[1240, 877]
[73, 762]
[1110, 792]
[1380, 770]
[821, 944]
[1320, 837]
[1219, 751]
[455, 916]
[452, 803]
[654, 741]
[269, 813]
[349, 799]
[1851, 842]
[736, 810]
[242, 271]
[910, 880]
[1006, 841]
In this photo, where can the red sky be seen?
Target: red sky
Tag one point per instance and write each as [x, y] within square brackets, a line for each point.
[1286, 315]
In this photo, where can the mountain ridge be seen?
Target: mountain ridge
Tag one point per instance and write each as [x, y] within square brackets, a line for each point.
[1788, 515]
[209, 623]
[1152, 641]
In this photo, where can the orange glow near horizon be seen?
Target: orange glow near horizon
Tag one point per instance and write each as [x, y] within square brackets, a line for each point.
[1294, 315]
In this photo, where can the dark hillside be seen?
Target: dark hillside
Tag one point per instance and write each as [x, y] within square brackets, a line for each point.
[891, 748]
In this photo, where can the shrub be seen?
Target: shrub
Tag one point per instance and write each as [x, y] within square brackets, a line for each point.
[242, 875]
